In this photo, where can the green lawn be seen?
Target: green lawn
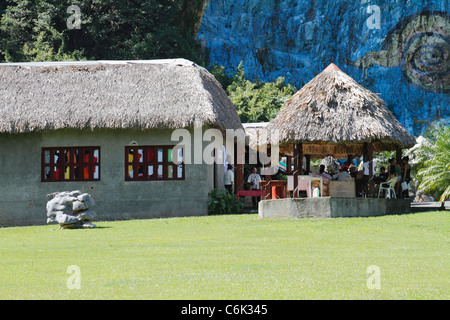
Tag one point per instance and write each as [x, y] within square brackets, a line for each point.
[231, 257]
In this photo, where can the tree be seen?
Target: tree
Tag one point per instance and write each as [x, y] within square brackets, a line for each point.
[110, 29]
[257, 101]
[434, 173]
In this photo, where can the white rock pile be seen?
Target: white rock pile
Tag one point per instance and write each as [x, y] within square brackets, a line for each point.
[70, 209]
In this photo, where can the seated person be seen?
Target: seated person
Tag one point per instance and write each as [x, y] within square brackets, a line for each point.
[353, 171]
[342, 175]
[323, 173]
[359, 183]
[383, 176]
[326, 179]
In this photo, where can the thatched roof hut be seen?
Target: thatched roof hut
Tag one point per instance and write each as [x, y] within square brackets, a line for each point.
[111, 94]
[333, 114]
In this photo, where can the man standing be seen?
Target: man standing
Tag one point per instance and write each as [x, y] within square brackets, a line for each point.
[228, 179]
[254, 179]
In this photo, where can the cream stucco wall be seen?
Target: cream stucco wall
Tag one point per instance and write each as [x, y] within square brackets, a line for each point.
[22, 194]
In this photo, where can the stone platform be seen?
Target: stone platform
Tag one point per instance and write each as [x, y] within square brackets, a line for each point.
[327, 207]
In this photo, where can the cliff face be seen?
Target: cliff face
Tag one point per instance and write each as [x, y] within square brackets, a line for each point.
[399, 49]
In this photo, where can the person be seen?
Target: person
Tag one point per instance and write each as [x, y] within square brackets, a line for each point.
[383, 176]
[359, 183]
[353, 170]
[342, 175]
[395, 170]
[326, 180]
[228, 179]
[324, 174]
[366, 168]
[254, 179]
[392, 169]
[406, 176]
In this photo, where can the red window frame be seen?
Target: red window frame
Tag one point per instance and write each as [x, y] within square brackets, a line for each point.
[78, 164]
[151, 163]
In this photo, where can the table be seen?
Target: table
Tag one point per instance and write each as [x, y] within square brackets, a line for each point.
[250, 193]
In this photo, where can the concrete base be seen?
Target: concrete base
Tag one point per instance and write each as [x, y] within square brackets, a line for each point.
[327, 207]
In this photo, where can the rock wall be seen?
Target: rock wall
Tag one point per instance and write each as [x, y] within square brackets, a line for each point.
[396, 48]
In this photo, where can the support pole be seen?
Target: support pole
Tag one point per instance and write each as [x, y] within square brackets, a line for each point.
[370, 160]
[295, 163]
[398, 155]
[268, 176]
[300, 158]
[308, 163]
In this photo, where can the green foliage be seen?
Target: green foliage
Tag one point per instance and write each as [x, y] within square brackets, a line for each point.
[258, 101]
[220, 74]
[254, 101]
[110, 29]
[382, 159]
[434, 172]
[222, 202]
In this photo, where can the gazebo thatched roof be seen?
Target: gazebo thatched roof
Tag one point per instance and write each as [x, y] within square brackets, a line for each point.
[111, 94]
[333, 114]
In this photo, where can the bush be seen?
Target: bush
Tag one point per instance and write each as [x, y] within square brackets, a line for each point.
[434, 167]
[222, 202]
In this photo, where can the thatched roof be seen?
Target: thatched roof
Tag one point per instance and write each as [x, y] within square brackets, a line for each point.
[334, 114]
[111, 94]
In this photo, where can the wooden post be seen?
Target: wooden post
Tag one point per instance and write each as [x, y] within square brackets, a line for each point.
[268, 176]
[398, 155]
[365, 151]
[295, 160]
[308, 163]
[300, 157]
[288, 164]
[370, 160]
[370, 182]
[238, 170]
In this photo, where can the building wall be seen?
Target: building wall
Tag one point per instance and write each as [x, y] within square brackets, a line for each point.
[23, 202]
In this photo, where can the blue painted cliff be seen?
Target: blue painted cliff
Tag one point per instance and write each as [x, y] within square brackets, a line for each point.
[399, 49]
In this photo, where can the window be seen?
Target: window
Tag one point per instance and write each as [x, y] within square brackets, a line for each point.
[153, 163]
[70, 164]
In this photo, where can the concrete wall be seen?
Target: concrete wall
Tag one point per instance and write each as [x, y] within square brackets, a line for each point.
[22, 194]
[327, 207]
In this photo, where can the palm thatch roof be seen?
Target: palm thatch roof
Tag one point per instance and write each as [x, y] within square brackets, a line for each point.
[333, 114]
[111, 94]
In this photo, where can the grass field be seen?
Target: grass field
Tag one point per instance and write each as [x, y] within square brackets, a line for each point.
[231, 257]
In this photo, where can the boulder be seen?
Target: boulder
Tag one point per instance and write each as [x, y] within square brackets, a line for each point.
[70, 209]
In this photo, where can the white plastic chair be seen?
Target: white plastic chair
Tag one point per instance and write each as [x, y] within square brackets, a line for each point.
[388, 186]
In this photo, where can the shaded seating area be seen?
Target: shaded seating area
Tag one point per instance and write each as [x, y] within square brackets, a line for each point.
[333, 115]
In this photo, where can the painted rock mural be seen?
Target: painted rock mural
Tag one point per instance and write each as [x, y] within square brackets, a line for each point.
[398, 49]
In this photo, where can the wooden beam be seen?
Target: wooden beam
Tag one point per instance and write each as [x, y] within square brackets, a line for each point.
[238, 170]
[289, 165]
[398, 155]
[295, 163]
[308, 163]
[370, 159]
[300, 158]
[365, 151]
